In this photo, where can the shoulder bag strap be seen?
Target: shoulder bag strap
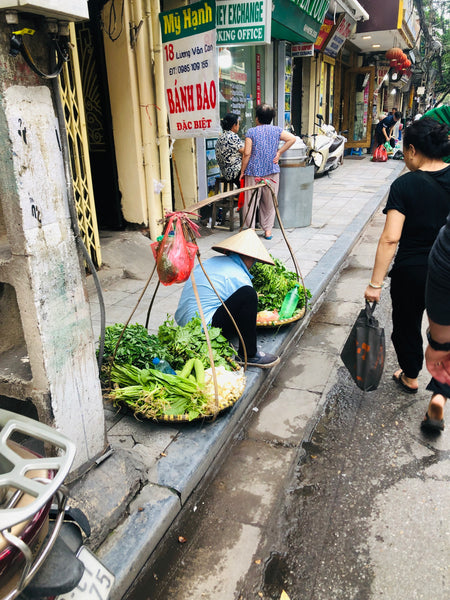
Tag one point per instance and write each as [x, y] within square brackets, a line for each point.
[436, 184]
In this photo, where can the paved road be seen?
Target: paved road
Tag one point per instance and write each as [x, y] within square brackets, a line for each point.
[352, 504]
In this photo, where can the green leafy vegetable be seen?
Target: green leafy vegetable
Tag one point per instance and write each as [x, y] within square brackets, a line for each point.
[272, 283]
[137, 346]
[152, 394]
[189, 341]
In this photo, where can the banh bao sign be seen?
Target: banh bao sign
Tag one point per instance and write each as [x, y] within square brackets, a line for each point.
[243, 22]
[190, 70]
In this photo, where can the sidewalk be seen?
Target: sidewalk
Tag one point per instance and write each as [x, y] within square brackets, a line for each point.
[132, 497]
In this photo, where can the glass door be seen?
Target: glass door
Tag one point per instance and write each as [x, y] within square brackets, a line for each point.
[358, 110]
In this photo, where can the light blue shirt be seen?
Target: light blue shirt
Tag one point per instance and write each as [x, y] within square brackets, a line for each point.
[227, 273]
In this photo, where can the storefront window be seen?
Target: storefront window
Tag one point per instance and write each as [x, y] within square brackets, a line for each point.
[361, 107]
[287, 88]
[241, 85]
[241, 89]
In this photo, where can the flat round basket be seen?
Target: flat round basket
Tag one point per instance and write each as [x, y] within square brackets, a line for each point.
[223, 405]
[299, 314]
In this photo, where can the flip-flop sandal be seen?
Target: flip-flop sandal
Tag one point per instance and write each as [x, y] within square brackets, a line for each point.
[403, 385]
[432, 425]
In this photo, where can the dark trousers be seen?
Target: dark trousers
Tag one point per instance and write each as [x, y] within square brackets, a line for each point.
[243, 305]
[379, 136]
[408, 306]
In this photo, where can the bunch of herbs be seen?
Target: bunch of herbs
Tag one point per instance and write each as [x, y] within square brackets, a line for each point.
[137, 346]
[272, 283]
[189, 341]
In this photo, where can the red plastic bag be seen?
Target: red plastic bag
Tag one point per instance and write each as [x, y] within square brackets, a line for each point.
[241, 198]
[173, 254]
[380, 154]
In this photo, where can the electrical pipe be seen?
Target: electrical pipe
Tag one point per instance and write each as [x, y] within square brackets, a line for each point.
[148, 129]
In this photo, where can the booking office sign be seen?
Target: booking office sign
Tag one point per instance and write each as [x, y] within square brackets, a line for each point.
[191, 70]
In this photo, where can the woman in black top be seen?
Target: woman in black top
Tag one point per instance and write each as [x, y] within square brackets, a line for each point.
[417, 207]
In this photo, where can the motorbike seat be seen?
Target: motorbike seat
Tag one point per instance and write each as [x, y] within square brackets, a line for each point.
[336, 143]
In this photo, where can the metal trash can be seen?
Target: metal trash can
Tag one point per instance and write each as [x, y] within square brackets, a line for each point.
[295, 194]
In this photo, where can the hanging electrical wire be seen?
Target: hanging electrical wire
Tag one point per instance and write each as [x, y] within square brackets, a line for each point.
[59, 44]
[114, 29]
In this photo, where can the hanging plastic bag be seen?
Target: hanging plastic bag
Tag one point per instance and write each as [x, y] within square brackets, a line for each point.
[241, 198]
[174, 255]
[364, 351]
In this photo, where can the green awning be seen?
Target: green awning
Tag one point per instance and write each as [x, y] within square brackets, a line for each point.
[294, 24]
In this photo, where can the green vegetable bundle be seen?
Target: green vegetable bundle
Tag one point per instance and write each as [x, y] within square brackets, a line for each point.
[173, 343]
[155, 395]
[189, 341]
[272, 283]
[137, 346]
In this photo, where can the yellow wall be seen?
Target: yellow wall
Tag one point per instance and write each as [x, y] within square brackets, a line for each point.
[139, 118]
[126, 124]
[184, 155]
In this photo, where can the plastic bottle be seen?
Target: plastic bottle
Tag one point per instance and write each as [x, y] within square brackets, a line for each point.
[163, 366]
[290, 303]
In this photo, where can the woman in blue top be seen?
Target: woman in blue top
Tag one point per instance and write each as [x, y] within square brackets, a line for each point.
[260, 159]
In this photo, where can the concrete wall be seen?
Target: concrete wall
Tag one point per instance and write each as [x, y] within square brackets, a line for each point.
[50, 359]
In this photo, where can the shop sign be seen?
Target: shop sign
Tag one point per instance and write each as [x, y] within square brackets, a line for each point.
[243, 23]
[302, 50]
[382, 71]
[324, 32]
[343, 30]
[191, 76]
[315, 9]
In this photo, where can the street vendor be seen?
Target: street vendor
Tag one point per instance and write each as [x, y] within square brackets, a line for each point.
[385, 127]
[230, 276]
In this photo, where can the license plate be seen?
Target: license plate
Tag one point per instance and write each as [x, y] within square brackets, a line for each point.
[96, 583]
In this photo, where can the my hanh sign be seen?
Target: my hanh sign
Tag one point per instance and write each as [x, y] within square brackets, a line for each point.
[190, 70]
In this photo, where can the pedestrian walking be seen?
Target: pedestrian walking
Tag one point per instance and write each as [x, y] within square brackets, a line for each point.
[260, 160]
[437, 296]
[416, 209]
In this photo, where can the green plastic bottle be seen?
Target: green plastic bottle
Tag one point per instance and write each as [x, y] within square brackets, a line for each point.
[290, 303]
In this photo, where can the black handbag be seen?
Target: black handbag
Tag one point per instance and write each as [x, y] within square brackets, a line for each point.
[364, 351]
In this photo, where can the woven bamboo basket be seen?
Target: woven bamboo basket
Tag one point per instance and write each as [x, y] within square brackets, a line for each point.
[299, 314]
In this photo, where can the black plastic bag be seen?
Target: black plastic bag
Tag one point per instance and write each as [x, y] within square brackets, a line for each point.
[363, 352]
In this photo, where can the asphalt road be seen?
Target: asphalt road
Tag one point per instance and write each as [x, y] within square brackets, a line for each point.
[329, 494]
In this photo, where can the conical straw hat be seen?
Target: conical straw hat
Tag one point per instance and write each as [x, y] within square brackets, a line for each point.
[246, 243]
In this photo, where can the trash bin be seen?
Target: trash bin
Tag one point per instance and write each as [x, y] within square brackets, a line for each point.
[295, 194]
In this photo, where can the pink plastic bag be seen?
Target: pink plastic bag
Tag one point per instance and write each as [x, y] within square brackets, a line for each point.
[173, 254]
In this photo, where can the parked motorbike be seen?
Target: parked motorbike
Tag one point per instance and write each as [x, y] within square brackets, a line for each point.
[41, 539]
[325, 148]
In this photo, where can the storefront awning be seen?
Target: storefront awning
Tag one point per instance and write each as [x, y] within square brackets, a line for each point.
[298, 20]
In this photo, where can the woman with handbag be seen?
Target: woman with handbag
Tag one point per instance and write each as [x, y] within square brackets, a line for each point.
[416, 209]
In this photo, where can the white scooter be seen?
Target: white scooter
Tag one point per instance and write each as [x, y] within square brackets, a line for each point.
[326, 148]
[42, 555]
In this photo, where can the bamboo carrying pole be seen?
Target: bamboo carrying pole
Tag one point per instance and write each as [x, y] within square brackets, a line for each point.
[187, 230]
